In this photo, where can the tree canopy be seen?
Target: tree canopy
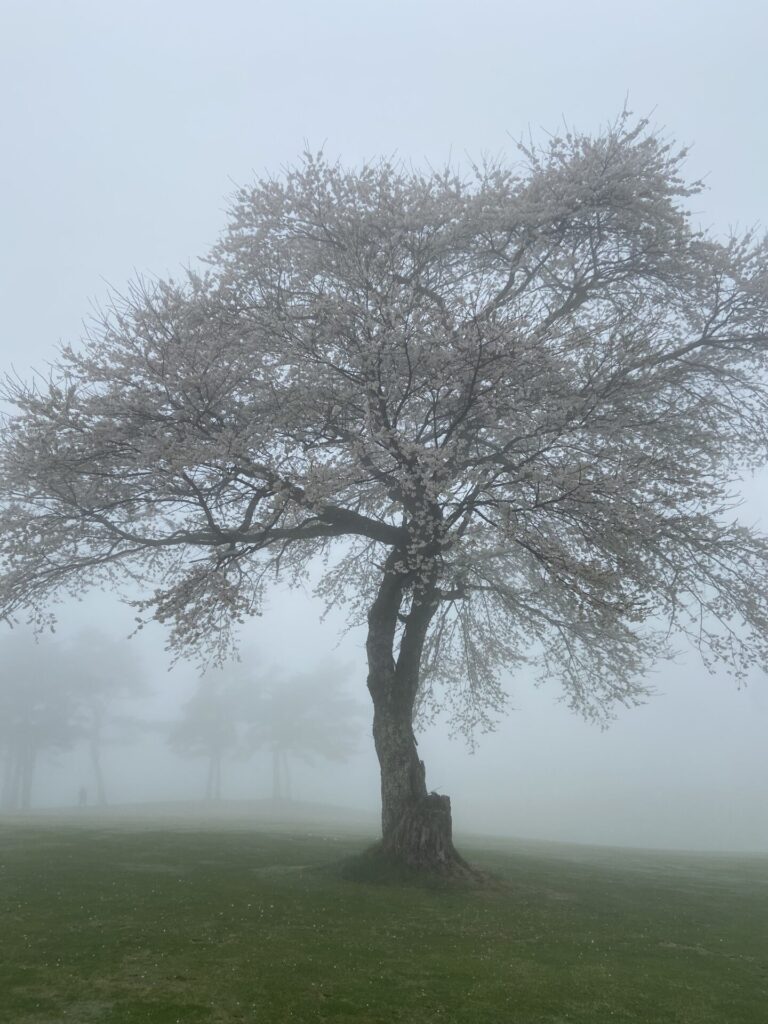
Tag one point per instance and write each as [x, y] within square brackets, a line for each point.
[522, 397]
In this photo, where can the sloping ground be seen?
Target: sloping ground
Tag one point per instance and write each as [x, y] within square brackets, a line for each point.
[117, 923]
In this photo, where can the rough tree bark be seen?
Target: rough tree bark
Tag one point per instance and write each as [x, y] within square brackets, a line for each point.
[416, 825]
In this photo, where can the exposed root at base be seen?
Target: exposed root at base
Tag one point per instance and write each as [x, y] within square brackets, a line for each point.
[377, 865]
[419, 849]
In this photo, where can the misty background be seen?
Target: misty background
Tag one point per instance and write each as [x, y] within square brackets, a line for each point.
[126, 126]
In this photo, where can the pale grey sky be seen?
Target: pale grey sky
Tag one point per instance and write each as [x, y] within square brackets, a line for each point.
[125, 125]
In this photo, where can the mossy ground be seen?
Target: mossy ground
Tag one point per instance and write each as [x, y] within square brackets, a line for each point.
[118, 924]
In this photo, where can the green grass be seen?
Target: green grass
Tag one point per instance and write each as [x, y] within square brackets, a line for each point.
[124, 924]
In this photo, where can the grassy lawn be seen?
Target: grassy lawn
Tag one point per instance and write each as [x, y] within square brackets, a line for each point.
[122, 924]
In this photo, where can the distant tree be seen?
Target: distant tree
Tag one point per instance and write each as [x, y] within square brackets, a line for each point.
[56, 694]
[299, 716]
[208, 728]
[237, 711]
[39, 713]
[103, 674]
[520, 398]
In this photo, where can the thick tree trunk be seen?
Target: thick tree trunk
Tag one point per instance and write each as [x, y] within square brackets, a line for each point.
[403, 782]
[416, 825]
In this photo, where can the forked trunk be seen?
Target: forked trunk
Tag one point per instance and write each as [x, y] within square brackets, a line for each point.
[416, 824]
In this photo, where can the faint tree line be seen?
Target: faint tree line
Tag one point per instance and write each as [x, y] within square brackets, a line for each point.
[237, 713]
[57, 695]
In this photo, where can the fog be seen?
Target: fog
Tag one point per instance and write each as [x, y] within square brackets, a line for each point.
[125, 128]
